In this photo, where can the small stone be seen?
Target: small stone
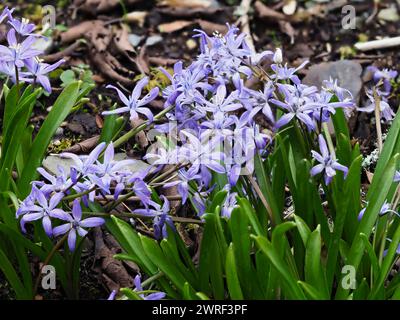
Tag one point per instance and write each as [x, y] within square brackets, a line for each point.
[134, 39]
[59, 131]
[348, 74]
[152, 40]
[191, 44]
[290, 7]
[43, 44]
[52, 162]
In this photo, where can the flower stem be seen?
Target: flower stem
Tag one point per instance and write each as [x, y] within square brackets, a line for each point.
[329, 139]
[377, 100]
[152, 279]
[131, 133]
[134, 215]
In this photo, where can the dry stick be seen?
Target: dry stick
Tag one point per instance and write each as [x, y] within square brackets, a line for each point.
[378, 119]
[378, 44]
[134, 215]
[263, 200]
[131, 133]
[244, 9]
[136, 199]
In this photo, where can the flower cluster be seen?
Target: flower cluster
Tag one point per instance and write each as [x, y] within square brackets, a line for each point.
[215, 115]
[20, 59]
[379, 94]
[327, 162]
[216, 121]
[88, 180]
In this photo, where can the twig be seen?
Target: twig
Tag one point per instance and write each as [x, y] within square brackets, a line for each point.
[64, 53]
[243, 11]
[378, 44]
[374, 12]
[378, 119]
[263, 200]
[141, 216]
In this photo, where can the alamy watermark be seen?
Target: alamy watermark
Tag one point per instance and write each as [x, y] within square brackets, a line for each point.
[48, 273]
[349, 277]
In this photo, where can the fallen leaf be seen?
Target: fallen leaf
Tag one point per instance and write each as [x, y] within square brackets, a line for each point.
[174, 26]
[97, 6]
[121, 40]
[198, 4]
[210, 27]
[138, 17]
[264, 11]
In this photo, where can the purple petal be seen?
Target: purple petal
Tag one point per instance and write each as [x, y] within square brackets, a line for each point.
[285, 119]
[121, 96]
[47, 226]
[317, 169]
[71, 239]
[92, 222]
[322, 146]
[62, 229]
[77, 210]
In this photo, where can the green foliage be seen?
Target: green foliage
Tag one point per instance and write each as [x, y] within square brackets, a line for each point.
[263, 253]
[22, 154]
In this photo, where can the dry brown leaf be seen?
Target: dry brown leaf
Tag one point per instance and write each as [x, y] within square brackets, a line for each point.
[121, 40]
[85, 146]
[99, 121]
[210, 27]
[174, 26]
[161, 61]
[189, 12]
[142, 62]
[138, 17]
[192, 4]
[268, 13]
[370, 176]
[97, 6]
[140, 137]
[109, 266]
[106, 64]
[63, 54]
[79, 30]
[288, 29]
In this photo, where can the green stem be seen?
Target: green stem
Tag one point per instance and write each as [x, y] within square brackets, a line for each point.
[329, 139]
[134, 131]
[134, 215]
[152, 279]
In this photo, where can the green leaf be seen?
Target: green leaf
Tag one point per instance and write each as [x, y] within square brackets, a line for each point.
[291, 283]
[378, 193]
[303, 229]
[156, 255]
[58, 113]
[310, 291]
[12, 276]
[248, 210]
[314, 272]
[232, 276]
